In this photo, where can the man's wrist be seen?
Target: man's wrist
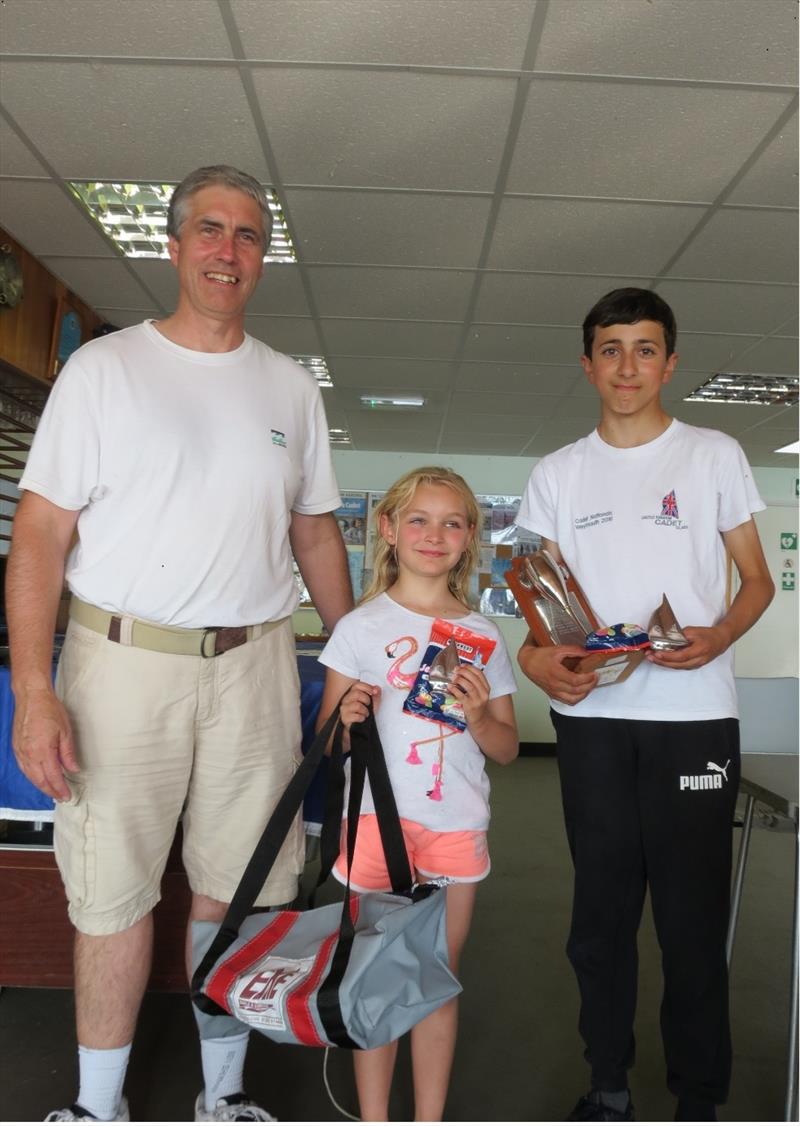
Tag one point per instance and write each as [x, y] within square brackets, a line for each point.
[30, 683]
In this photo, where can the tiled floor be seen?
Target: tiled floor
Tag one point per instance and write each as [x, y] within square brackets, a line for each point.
[519, 1055]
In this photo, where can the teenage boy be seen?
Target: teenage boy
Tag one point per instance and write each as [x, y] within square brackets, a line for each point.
[649, 768]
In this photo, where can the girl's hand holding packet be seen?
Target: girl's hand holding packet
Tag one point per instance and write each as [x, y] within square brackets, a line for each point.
[450, 645]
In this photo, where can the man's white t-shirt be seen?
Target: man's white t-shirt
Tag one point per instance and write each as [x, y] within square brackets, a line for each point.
[186, 467]
[634, 524]
[383, 643]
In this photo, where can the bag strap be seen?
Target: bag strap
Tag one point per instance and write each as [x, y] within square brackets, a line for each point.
[367, 743]
[260, 864]
[366, 760]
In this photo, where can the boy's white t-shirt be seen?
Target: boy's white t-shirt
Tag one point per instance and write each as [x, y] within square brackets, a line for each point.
[186, 467]
[383, 643]
[634, 524]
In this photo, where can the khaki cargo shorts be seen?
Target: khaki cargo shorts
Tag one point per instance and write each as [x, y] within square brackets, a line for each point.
[159, 735]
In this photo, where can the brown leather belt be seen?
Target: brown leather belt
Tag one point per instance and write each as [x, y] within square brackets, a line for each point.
[210, 642]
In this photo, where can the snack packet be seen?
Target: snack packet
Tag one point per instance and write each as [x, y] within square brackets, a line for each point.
[623, 637]
[450, 645]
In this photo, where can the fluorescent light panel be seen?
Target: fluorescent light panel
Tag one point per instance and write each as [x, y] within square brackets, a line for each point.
[318, 368]
[792, 448]
[338, 436]
[392, 402]
[742, 387]
[134, 216]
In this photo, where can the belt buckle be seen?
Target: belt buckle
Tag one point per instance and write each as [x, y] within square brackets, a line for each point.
[208, 633]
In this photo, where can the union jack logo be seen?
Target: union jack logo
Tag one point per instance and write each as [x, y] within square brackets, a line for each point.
[669, 505]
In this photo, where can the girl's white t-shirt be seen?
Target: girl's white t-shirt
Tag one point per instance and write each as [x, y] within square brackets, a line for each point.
[383, 643]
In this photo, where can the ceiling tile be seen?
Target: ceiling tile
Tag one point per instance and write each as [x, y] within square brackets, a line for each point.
[542, 298]
[483, 404]
[773, 178]
[296, 336]
[45, 221]
[390, 338]
[423, 32]
[727, 307]
[577, 412]
[100, 281]
[386, 134]
[717, 39]
[160, 278]
[16, 159]
[743, 244]
[366, 292]
[387, 228]
[280, 291]
[588, 237]
[666, 143]
[733, 418]
[497, 424]
[529, 379]
[777, 355]
[189, 103]
[382, 373]
[521, 343]
[710, 352]
[89, 28]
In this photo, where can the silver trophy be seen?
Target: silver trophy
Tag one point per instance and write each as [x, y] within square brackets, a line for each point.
[559, 610]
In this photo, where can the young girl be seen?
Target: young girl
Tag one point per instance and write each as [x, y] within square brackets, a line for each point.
[426, 548]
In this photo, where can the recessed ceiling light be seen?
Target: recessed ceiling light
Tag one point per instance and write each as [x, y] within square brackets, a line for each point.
[392, 402]
[318, 368]
[134, 216]
[741, 387]
[792, 448]
[338, 436]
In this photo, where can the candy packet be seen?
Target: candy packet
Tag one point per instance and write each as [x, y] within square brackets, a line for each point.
[623, 637]
[450, 645]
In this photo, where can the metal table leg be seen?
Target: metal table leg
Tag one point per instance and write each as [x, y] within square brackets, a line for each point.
[738, 879]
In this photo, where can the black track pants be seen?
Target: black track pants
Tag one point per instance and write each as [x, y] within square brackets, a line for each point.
[651, 803]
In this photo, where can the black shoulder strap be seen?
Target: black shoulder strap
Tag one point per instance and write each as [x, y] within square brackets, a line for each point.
[266, 851]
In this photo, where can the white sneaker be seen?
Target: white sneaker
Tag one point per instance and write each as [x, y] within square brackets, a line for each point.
[231, 1108]
[76, 1113]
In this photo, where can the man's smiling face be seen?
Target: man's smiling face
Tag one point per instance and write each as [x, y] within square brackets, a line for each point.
[219, 255]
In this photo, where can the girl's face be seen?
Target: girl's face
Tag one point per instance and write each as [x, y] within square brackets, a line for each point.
[432, 533]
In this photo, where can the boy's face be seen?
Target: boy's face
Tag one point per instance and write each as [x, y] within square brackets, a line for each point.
[628, 366]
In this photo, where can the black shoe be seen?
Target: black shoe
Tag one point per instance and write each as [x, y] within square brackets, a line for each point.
[590, 1108]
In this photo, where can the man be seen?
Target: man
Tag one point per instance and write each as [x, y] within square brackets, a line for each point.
[649, 768]
[188, 457]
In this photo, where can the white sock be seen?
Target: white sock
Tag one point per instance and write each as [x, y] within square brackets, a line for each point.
[102, 1072]
[223, 1065]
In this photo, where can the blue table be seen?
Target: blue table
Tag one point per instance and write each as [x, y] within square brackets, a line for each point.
[21, 801]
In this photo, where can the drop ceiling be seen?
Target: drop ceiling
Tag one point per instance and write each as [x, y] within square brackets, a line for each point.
[462, 179]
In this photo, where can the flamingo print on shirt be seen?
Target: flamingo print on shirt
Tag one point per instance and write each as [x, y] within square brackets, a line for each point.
[405, 681]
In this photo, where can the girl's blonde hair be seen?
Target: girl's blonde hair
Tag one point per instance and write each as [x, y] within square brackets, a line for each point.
[394, 503]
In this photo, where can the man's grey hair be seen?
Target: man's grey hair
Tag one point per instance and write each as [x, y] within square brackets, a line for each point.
[226, 176]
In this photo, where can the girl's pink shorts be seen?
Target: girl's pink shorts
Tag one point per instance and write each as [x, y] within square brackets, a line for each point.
[462, 856]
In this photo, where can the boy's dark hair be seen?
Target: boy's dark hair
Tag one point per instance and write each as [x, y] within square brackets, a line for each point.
[626, 307]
